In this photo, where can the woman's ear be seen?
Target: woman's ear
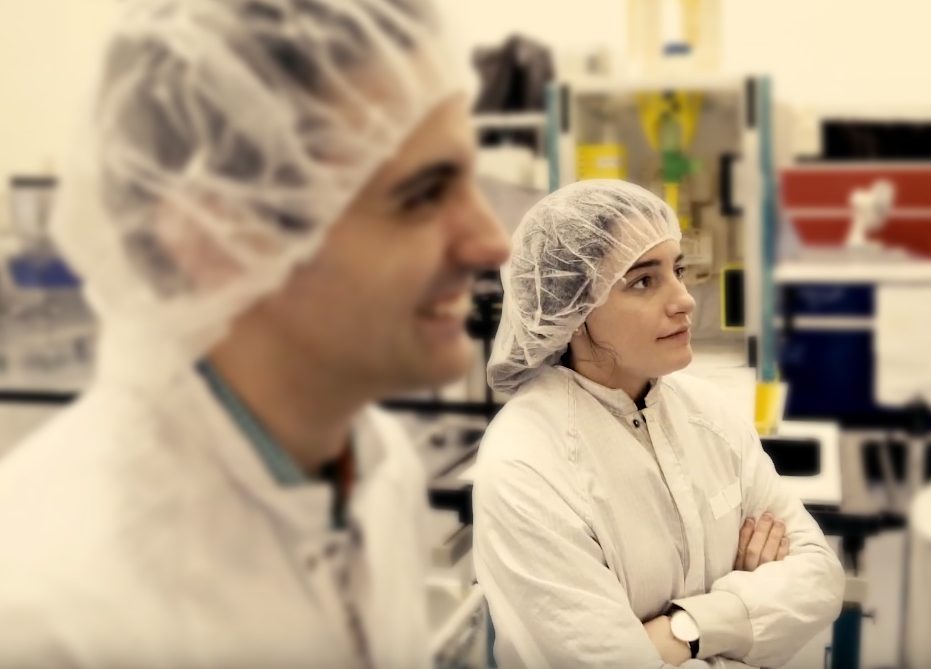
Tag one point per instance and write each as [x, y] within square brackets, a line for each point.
[579, 343]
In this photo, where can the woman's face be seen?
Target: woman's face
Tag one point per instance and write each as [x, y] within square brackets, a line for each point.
[642, 331]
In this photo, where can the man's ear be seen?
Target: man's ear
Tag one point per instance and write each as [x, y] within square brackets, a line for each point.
[205, 262]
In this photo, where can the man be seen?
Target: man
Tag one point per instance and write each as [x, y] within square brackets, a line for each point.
[275, 215]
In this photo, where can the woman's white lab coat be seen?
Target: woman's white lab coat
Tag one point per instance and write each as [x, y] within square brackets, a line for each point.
[140, 530]
[592, 517]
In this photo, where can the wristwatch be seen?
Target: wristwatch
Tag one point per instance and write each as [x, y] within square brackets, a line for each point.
[683, 627]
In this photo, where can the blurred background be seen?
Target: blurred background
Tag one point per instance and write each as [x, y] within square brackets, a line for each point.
[793, 138]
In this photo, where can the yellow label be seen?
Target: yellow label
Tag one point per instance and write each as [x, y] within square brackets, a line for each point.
[671, 195]
[601, 161]
[685, 106]
[770, 400]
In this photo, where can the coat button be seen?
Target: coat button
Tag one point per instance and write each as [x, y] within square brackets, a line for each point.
[636, 423]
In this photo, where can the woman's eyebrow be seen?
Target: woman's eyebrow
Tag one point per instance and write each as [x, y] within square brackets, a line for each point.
[654, 263]
[643, 265]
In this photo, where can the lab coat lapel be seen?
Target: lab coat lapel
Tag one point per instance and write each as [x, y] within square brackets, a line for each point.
[669, 434]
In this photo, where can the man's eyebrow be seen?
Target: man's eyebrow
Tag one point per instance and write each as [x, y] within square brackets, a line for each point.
[442, 170]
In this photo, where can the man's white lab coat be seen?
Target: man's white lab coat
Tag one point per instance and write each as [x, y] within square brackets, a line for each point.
[139, 529]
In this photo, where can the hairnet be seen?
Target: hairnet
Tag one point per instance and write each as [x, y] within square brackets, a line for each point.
[225, 137]
[567, 253]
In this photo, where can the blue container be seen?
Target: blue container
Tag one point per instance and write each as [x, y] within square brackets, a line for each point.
[49, 272]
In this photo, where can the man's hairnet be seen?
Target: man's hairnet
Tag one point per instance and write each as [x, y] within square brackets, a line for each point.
[226, 136]
[567, 253]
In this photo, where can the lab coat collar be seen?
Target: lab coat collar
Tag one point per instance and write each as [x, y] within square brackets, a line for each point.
[615, 400]
[158, 374]
[304, 511]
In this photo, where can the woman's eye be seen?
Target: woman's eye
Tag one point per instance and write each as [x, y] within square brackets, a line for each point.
[681, 272]
[642, 283]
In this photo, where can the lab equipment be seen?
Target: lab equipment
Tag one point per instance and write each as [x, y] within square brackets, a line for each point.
[816, 201]
[460, 642]
[918, 613]
[48, 331]
[674, 36]
[31, 200]
[845, 358]
[868, 304]
[870, 209]
[693, 141]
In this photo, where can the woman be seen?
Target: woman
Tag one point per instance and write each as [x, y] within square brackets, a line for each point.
[615, 499]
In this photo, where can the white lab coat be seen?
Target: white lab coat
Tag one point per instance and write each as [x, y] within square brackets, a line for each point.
[140, 530]
[592, 517]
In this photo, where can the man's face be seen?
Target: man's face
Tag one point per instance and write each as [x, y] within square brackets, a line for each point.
[639, 316]
[384, 301]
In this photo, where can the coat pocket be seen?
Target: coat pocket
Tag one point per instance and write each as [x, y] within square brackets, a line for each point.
[726, 500]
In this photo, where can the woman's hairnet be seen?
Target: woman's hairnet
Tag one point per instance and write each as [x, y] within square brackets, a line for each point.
[567, 253]
[226, 136]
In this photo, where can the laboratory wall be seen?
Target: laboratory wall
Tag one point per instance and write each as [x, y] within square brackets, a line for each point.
[47, 49]
[830, 55]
